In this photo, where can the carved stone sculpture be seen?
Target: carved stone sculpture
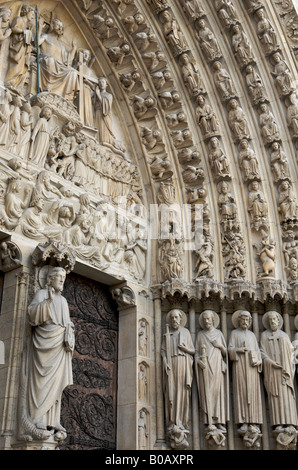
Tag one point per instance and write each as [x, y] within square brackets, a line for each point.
[288, 206]
[223, 81]
[257, 205]
[255, 85]
[143, 432]
[207, 41]
[21, 42]
[103, 113]
[191, 77]
[57, 75]
[204, 263]
[248, 161]
[10, 256]
[193, 8]
[282, 75]
[177, 352]
[267, 254]
[237, 121]
[277, 354]
[206, 118]
[247, 365]
[265, 32]
[218, 160]
[212, 372]
[227, 206]
[279, 162]
[5, 32]
[40, 137]
[269, 127]
[14, 204]
[47, 368]
[226, 12]
[292, 116]
[241, 46]
[173, 33]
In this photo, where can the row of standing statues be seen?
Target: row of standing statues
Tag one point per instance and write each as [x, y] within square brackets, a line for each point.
[209, 359]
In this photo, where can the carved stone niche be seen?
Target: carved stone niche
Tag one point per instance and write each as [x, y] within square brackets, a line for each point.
[10, 256]
[58, 253]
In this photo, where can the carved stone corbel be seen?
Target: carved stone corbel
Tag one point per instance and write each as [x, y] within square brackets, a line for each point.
[124, 296]
[54, 253]
[10, 256]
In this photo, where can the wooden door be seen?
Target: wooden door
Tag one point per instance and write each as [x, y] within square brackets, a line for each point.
[89, 406]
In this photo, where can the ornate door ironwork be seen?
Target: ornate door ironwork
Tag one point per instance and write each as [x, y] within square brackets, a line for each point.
[89, 405]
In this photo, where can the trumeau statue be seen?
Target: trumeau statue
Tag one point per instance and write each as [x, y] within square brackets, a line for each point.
[212, 376]
[279, 376]
[47, 367]
[177, 352]
[247, 365]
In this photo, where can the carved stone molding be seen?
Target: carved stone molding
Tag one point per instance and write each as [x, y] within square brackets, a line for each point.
[55, 253]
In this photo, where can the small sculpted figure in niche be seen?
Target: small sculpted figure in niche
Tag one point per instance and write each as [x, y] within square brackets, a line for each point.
[143, 106]
[206, 118]
[142, 431]
[117, 54]
[269, 127]
[31, 221]
[132, 23]
[142, 383]
[135, 251]
[248, 161]
[9, 256]
[155, 58]
[223, 81]
[212, 373]
[20, 48]
[158, 5]
[151, 137]
[6, 110]
[254, 5]
[207, 41]
[88, 82]
[241, 46]
[190, 75]
[257, 205]
[169, 98]
[103, 113]
[218, 160]
[5, 32]
[288, 206]
[279, 373]
[292, 115]
[143, 337]
[226, 12]
[246, 357]
[204, 263]
[26, 124]
[192, 174]
[174, 119]
[234, 254]
[51, 342]
[56, 72]
[13, 204]
[161, 167]
[267, 254]
[129, 80]
[193, 8]
[15, 125]
[237, 121]
[255, 85]
[173, 33]
[265, 32]
[67, 148]
[282, 75]
[227, 205]
[102, 27]
[177, 352]
[171, 258]
[44, 188]
[279, 162]
[41, 136]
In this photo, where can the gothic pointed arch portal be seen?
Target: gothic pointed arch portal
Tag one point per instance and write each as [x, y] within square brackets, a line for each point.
[157, 139]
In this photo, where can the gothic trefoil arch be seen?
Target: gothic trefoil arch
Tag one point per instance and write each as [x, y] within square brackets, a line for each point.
[151, 146]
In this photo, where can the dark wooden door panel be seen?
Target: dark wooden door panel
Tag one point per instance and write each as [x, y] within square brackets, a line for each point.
[89, 405]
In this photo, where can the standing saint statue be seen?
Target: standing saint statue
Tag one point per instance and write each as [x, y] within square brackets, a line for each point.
[177, 352]
[47, 369]
[247, 365]
[56, 72]
[103, 113]
[279, 373]
[212, 375]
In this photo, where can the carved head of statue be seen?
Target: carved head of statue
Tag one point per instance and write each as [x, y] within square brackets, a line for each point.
[27, 11]
[57, 27]
[272, 320]
[5, 14]
[56, 278]
[244, 320]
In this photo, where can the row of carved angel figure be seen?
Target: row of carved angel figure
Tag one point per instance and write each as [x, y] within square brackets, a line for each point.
[274, 358]
[98, 234]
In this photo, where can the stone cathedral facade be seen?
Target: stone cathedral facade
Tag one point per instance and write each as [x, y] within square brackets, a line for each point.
[148, 224]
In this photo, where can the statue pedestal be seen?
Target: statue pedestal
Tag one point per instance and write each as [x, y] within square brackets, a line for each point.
[49, 444]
